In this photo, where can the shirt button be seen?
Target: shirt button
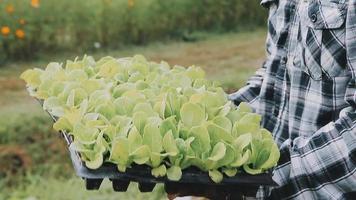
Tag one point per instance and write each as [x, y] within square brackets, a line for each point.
[284, 60]
[313, 18]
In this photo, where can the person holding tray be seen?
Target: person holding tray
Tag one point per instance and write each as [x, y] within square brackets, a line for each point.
[306, 93]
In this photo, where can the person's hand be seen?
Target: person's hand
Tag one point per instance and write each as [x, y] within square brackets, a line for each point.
[175, 190]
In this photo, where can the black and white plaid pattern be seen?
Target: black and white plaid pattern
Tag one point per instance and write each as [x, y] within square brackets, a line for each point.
[306, 93]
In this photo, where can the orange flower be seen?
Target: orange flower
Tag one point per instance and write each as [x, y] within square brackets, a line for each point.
[131, 3]
[22, 21]
[35, 3]
[10, 9]
[20, 34]
[5, 30]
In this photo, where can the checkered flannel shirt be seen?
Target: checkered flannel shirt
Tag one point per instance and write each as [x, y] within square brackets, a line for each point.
[306, 93]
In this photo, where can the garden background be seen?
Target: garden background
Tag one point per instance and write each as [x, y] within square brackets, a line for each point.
[224, 37]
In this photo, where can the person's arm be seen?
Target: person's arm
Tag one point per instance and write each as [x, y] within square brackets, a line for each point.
[326, 161]
[250, 92]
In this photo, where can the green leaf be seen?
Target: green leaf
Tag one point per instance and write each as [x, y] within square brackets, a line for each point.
[249, 170]
[194, 161]
[96, 163]
[266, 134]
[169, 144]
[120, 151]
[188, 146]
[235, 115]
[174, 173]
[123, 125]
[215, 99]
[262, 157]
[273, 157]
[192, 114]
[169, 124]
[216, 176]
[107, 109]
[244, 107]
[183, 131]
[135, 139]
[199, 83]
[230, 172]
[152, 137]
[83, 107]
[121, 168]
[242, 141]
[122, 88]
[223, 122]
[251, 118]
[124, 106]
[139, 64]
[73, 65]
[241, 128]
[135, 95]
[134, 77]
[109, 69]
[98, 97]
[156, 159]
[195, 73]
[85, 135]
[146, 108]
[70, 99]
[52, 102]
[77, 75]
[76, 97]
[241, 160]
[32, 77]
[255, 147]
[141, 85]
[154, 121]
[218, 134]
[218, 152]
[174, 104]
[160, 106]
[229, 157]
[159, 171]
[181, 145]
[201, 141]
[139, 120]
[141, 155]
[91, 85]
[62, 124]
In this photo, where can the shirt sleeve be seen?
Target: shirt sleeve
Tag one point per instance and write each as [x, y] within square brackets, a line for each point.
[250, 92]
[323, 166]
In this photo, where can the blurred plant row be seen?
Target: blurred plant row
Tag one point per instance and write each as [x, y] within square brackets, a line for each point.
[28, 27]
[21, 137]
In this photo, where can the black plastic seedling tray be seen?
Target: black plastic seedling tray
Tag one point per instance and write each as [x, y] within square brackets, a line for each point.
[194, 182]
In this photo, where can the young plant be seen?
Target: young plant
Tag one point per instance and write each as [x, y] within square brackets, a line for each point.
[131, 111]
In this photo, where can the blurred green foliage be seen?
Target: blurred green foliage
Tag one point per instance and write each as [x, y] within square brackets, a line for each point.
[38, 188]
[20, 128]
[87, 25]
